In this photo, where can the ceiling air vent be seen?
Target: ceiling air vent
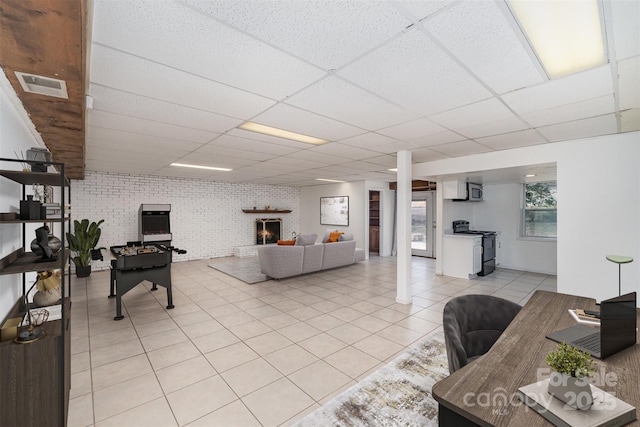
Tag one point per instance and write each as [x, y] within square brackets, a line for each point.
[42, 85]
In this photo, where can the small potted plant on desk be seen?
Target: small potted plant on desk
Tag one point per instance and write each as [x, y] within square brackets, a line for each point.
[570, 373]
[82, 241]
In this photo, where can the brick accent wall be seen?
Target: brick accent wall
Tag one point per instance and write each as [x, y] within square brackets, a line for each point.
[206, 216]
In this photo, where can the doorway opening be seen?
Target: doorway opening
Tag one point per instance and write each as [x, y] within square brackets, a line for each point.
[374, 222]
[423, 224]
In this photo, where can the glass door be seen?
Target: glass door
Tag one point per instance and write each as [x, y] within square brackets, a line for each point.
[422, 224]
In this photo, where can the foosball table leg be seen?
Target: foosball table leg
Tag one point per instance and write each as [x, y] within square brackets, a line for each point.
[154, 287]
[112, 293]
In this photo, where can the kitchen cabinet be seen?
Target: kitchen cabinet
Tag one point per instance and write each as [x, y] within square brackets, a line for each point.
[454, 190]
[461, 255]
[35, 378]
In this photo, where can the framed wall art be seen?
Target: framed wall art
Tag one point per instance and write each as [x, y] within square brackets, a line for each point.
[334, 210]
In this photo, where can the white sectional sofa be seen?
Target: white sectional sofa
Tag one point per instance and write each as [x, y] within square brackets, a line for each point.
[306, 256]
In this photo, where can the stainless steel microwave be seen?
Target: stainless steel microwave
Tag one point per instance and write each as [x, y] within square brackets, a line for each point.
[474, 192]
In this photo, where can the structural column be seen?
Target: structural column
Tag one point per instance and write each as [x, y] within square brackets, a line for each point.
[403, 210]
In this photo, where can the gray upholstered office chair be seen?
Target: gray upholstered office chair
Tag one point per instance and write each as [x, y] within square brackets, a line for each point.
[472, 324]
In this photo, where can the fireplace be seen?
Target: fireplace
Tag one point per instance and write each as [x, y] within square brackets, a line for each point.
[268, 230]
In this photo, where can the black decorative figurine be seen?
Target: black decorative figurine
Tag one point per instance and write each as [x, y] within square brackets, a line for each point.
[42, 240]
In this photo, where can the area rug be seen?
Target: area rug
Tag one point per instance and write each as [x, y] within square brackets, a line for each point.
[245, 269]
[398, 394]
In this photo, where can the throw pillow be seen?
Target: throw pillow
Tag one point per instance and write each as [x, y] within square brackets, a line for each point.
[334, 236]
[345, 237]
[286, 242]
[327, 234]
[306, 239]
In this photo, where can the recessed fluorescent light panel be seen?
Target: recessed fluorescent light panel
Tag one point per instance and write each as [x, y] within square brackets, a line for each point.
[42, 85]
[531, 175]
[328, 180]
[281, 133]
[184, 165]
[566, 36]
[393, 170]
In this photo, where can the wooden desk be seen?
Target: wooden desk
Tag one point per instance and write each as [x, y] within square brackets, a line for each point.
[471, 395]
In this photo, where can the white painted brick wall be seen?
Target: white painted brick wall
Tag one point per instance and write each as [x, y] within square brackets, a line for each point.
[206, 216]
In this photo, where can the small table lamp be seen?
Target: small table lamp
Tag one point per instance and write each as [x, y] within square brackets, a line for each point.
[619, 259]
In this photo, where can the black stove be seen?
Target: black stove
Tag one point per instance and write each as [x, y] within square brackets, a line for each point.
[488, 245]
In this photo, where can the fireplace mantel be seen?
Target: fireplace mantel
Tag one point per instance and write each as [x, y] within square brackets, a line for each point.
[262, 211]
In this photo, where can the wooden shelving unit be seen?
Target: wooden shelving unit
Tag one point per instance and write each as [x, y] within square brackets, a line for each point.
[35, 378]
[374, 221]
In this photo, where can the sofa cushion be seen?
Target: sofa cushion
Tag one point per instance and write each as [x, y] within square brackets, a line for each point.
[306, 239]
[281, 261]
[334, 236]
[312, 258]
[338, 254]
[345, 237]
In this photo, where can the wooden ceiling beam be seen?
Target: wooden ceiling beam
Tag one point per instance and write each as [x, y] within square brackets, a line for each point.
[48, 38]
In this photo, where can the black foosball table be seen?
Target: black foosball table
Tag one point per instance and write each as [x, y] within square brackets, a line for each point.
[136, 262]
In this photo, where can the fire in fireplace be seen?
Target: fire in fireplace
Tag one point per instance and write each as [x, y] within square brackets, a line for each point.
[268, 230]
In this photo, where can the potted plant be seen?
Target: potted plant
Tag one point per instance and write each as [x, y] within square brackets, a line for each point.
[84, 238]
[569, 379]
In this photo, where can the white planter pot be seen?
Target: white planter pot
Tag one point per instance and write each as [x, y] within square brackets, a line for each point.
[574, 392]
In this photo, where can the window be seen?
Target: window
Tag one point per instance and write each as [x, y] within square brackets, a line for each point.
[539, 216]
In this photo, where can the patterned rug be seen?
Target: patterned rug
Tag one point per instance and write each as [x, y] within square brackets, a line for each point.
[246, 269]
[398, 394]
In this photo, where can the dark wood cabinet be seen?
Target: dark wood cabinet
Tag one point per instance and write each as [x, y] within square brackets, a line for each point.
[35, 377]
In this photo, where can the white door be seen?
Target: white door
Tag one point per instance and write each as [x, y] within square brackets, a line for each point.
[423, 224]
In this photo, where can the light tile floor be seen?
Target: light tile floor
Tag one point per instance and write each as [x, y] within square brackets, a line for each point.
[232, 354]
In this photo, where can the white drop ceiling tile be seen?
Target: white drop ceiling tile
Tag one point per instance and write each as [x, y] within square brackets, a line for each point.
[473, 114]
[367, 140]
[422, 155]
[120, 148]
[386, 161]
[131, 124]
[344, 150]
[290, 161]
[340, 100]
[132, 74]
[244, 144]
[512, 140]
[394, 147]
[480, 36]
[326, 33]
[577, 110]
[594, 126]
[179, 172]
[104, 136]
[629, 82]
[359, 166]
[337, 169]
[421, 9]
[413, 129]
[279, 169]
[319, 158]
[565, 90]
[510, 124]
[626, 28]
[630, 120]
[461, 148]
[116, 101]
[174, 34]
[232, 152]
[296, 120]
[413, 72]
[437, 139]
